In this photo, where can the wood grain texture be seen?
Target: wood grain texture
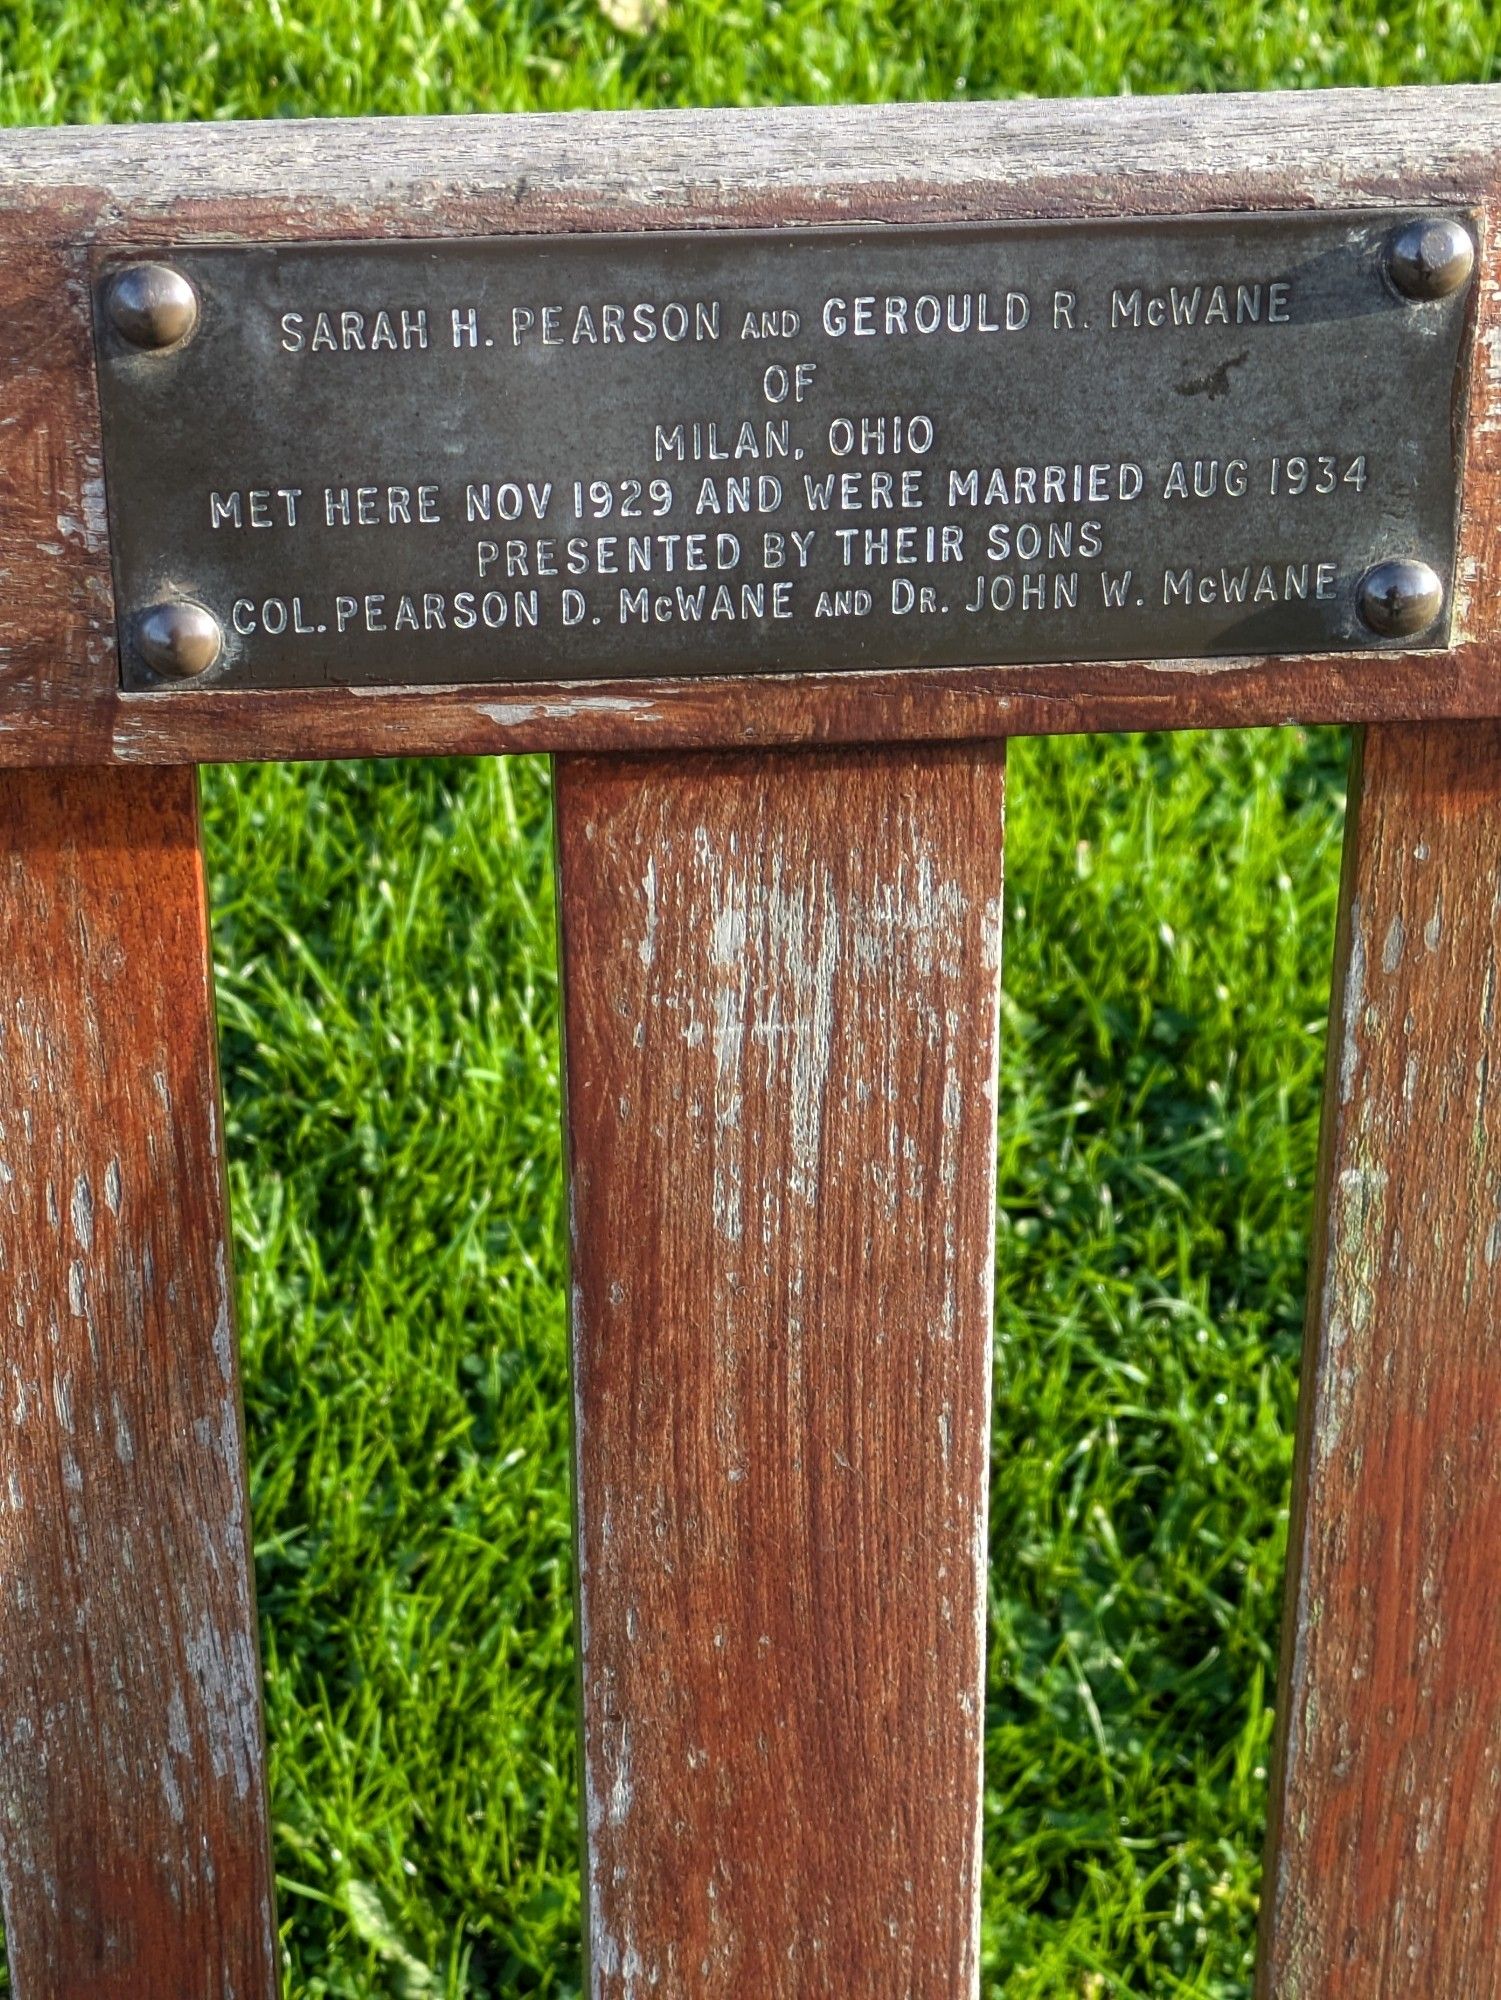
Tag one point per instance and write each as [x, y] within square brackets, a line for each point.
[781, 1030]
[1384, 1870]
[551, 170]
[68, 197]
[133, 1835]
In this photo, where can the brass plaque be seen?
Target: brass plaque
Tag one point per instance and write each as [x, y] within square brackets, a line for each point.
[749, 452]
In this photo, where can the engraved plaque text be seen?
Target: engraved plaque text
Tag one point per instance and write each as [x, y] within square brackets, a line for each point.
[583, 458]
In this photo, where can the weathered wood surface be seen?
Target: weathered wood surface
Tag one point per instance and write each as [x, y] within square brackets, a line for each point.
[675, 169]
[133, 1836]
[66, 197]
[781, 1031]
[1384, 1870]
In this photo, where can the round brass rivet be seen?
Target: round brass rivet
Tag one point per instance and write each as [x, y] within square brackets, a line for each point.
[179, 639]
[1400, 599]
[1430, 259]
[151, 305]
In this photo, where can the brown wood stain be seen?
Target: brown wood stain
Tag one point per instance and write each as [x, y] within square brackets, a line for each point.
[1384, 1871]
[781, 1030]
[133, 1839]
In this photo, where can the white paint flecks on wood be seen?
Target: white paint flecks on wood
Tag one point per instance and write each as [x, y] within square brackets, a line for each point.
[782, 982]
[133, 1838]
[1384, 1870]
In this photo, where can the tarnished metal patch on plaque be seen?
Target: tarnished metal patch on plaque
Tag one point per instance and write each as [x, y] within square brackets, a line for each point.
[580, 458]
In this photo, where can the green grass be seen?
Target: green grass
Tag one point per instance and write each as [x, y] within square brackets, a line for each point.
[388, 996]
[131, 59]
[389, 1017]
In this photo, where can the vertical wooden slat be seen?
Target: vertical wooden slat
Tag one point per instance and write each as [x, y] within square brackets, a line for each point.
[781, 1027]
[133, 1835]
[1384, 1868]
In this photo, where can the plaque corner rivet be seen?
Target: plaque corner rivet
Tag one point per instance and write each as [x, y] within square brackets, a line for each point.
[1430, 258]
[152, 305]
[1400, 599]
[179, 639]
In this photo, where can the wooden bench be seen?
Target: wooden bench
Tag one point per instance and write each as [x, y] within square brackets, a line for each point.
[780, 902]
